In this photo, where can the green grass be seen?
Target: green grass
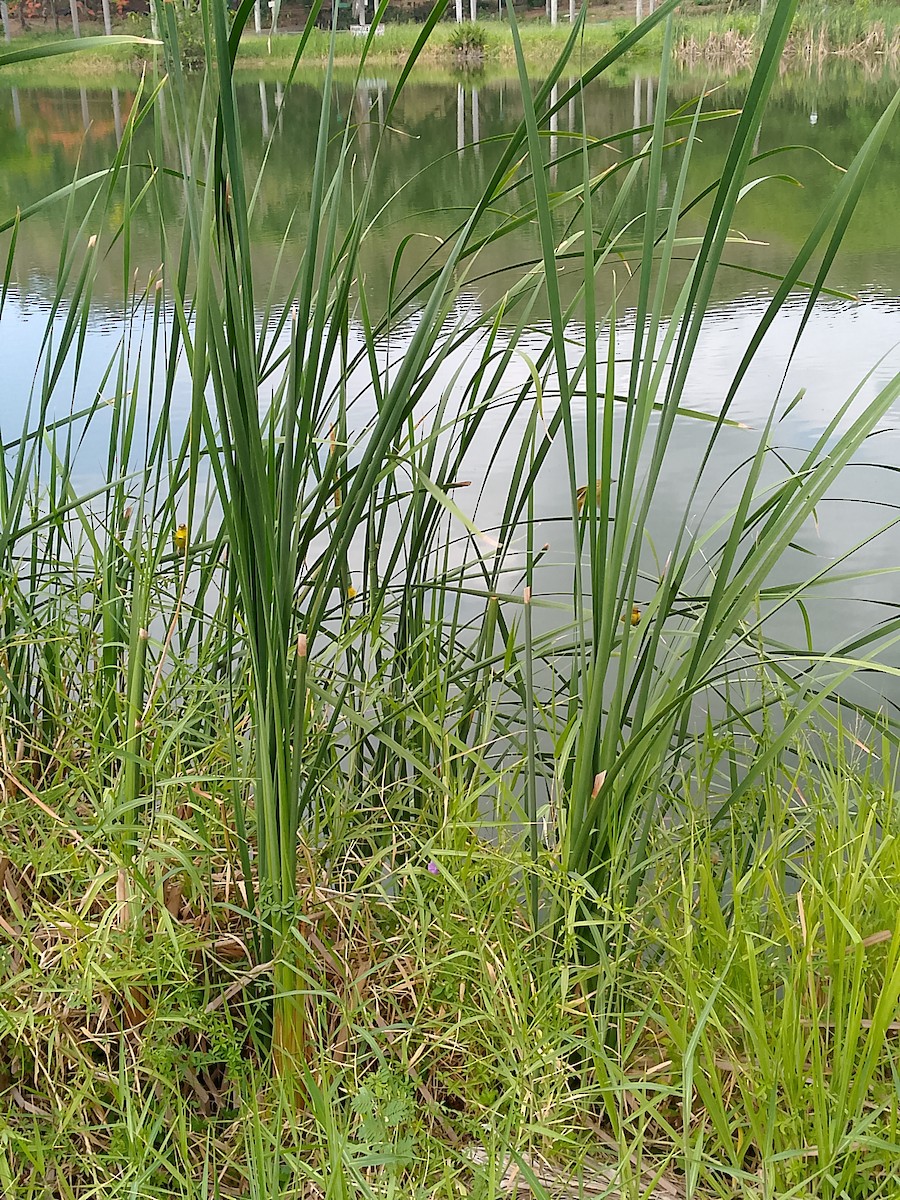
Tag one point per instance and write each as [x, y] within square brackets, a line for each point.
[864, 32]
[736, 1032]
[96, 58]
[338, 847]
[541, 44]
[261, 52]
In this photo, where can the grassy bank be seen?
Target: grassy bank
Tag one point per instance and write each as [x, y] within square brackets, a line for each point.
[868, 35]
[541, 45]
[731, 34]
[739, 1037]
[357, 841]
[729, 38]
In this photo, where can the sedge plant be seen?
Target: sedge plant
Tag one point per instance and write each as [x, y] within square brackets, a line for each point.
[377, 645]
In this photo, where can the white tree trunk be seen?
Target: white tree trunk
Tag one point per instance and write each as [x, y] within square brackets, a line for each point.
[459, 12]
[257, 17]
[554, 11]
[107, 19]
[473, 10]
[638, 11]
[571, 12]
[4, 16]
[73, 9]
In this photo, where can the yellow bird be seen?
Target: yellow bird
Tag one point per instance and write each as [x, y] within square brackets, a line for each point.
[635, 616]
[180, 540]
[582, 493]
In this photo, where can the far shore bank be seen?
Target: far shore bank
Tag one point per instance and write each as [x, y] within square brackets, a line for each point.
[727, 41]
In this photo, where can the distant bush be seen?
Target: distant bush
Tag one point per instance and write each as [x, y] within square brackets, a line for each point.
[189, 25]
[191, 38]
[469, 39]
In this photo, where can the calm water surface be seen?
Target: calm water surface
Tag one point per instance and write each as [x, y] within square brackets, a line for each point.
[431, 164]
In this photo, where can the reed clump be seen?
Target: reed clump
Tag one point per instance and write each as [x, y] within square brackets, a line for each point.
[347, 851]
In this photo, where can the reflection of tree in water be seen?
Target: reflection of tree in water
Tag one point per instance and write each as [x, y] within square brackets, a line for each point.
[437, 156]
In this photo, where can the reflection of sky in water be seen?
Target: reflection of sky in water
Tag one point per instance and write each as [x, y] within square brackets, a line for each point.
[845, 348]
[838, 344]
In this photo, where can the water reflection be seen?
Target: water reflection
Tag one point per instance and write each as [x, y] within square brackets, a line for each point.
[279, 105]
[117, 115]
[42, 137]
[554, 129]
[264, 107]
[432, 164]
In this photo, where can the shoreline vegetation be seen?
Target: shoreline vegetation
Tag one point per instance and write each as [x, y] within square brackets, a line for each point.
[728, 40]
[357, 843]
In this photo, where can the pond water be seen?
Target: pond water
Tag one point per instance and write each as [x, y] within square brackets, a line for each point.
[435, 160]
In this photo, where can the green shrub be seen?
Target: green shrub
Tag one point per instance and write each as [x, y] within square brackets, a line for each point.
[469, 38]
[191, 37]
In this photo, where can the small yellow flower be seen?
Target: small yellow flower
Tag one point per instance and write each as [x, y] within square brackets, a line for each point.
[351, 593]
[180, 539]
